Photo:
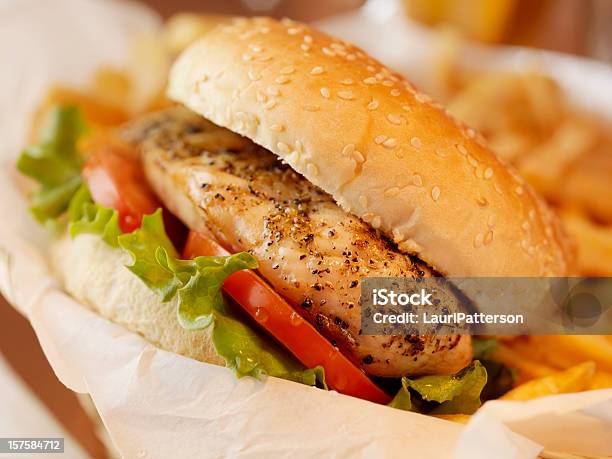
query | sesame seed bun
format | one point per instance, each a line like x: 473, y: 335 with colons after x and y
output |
x: 382, y: 149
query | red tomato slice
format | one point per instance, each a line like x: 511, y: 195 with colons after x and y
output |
x: 115, y: 179
x: 281, y: 321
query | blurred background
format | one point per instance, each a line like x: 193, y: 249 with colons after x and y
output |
x: 562, y: 150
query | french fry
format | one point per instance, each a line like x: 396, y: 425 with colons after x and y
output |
x: 601, y: 380
x: 527, y: 368
x: 546, y: 164
x: 148, y: 69
x: 594, y: 243
x: 587, y: 184
x: 560, y: 352
x: 112, y: 86
x: 574, y: 379
x: 96, y: 112
x: 183, y: 29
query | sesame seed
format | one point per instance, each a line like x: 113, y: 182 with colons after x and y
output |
x: 398, y: 236
x: 293, y: 31
x: 255, y: 48
x: 261, y: 96
x: 482, y: 201
x: 254, y: 76
x: 395, y: 92
x: 371, y: 68
x: 472, y: 161
x: 417, y: 180
x: 478, y: 240
x: 423, y: 98
x: 299, y: 147
x: 393, y: 191
x: 358, y: 156
x: 363, y: 201
x: 283, y: 147
x: 264, y: 29
x: 376, y: 222
x: 311, y: 169
x: 415, y: 142
x: 370, y: 80
x: 307, y: 38
x: 373, y: 105
x: 406, y: 108
x: 346, y: 95
x: 348, y: 149
x: 351, y: 57
x: 461, y: 149
x: 525, y: 226
x: 325, y: 92
x: 394, y: 119
x: 532, y: 214
x: 478, y: 173
x: 367, y: 217
x: 488, y: 173
x: 347, y: 81
x: 328, y: 52
x: 380, y: 139
x: 270, y: 104
x: 304, y: 47
x: 282, y: 79
x: 519, y: 190
x: 318, y: 70
x: 525, y: 244
x: 287, y: 70
x: 277, y: 127
x: 247, y: 57
x: 491, y: 221
x: 388, y: 83
x: 435, y: 193
x: 497, y: 188
x: 390, y: 143
x: 273, y: 90
x: 488, y: 237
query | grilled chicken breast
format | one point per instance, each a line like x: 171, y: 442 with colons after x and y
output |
x: 311, y: 251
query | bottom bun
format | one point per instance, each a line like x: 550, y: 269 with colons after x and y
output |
x: 95, y: 274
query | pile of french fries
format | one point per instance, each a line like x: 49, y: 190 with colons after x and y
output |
x: 565, y: 154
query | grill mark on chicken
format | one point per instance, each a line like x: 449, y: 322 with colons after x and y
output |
x: 310, y: 250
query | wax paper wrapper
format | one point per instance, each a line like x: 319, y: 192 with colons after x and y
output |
x: 157, y: 404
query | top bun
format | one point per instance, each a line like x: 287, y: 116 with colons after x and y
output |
x: 382, y: 149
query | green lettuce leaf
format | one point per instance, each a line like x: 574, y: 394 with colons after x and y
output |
x: 55, y: 164
x: 458, y: 393
x: 500, y: 378
x: 87, y: 217
x: 483, y: 347
x: 197, y: 283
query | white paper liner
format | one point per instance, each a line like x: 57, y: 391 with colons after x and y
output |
x: 157, y: 404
